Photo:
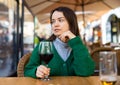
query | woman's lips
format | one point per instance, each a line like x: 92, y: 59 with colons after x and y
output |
x: 57, y: 30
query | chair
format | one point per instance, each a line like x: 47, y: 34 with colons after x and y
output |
x: 94, y: 45
x: 22, y: 62
x: 95, y: 56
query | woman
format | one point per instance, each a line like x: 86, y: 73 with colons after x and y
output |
x: 71, y: 57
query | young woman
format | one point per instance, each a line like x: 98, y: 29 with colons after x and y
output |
x: 71, y: 57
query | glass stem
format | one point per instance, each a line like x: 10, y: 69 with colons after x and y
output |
x: 46, y: 76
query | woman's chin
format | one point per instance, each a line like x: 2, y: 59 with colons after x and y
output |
x: 57, y: 35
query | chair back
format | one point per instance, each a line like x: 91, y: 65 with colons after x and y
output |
x: 22, y: 62
x: 95, y: 56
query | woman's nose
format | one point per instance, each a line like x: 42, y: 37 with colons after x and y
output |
x: 56, y: 23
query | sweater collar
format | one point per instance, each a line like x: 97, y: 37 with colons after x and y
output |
x: 61, y: 43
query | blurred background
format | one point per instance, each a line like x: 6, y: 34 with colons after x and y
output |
x: 24, y: 23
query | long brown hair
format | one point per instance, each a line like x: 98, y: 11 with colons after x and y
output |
x: 70, y: 17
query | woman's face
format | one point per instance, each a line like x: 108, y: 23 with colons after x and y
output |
x: 59, y: 23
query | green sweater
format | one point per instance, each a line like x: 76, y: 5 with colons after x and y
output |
x: 79, y: 62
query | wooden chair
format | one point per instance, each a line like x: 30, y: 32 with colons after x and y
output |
x: 95, y: 56
x: 22, y: 62
x: 94, y: 46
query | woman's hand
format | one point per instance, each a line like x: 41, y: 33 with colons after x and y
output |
x: 42, y: 71
x: 66, y: 36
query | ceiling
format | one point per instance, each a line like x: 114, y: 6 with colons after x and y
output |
x: 93, y: 9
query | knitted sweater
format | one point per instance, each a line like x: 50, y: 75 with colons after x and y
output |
x: 79, y: 62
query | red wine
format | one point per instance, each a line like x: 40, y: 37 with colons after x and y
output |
x: 46, y: 57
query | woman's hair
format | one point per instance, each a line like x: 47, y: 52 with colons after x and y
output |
x: 70, y: 17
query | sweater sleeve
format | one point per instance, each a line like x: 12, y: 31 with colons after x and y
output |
x: 34, y: 62
x: 83, y: 64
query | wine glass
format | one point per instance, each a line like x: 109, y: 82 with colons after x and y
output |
x: 46, y: 54
x: 108, y: 68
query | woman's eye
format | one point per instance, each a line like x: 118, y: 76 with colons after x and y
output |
x: 61, y: 20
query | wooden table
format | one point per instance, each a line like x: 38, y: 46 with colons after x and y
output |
x: 71, y: 80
